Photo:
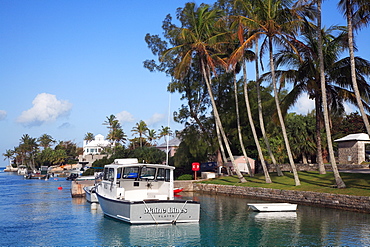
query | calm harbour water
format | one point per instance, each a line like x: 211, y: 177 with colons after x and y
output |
x: 36, y: 213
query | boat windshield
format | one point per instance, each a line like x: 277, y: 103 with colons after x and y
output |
x: 109, y: 174
x: 163, y: 174
x: 148, y: 172
x: 130, y: 172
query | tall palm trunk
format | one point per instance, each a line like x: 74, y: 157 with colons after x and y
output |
x: 207, y: 78
x: 251, y: 123
x: 222, y: 150
x: 260, y: 116
x: 338, y: 179
x: 349, y: 14
x: 319, y: 158
x: 239, y: 129
x: 280, y: 115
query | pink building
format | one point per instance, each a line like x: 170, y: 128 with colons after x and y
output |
x: 172, y: 146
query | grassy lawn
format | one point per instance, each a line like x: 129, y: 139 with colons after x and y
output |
x: 357, y: 184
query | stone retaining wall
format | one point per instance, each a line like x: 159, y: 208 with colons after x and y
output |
x: 346, y: 202
x: 311, y: 167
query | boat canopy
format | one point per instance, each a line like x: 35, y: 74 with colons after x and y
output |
x: 138, y: 172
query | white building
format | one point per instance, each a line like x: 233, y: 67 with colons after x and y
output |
x: 352, y: 149
x: 92, y: 149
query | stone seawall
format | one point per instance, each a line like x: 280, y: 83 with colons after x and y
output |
x: 346, y: 202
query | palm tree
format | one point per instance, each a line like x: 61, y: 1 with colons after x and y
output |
x: 251, y: 123
x: 338, y: 179
x: 276, y: 21
x: 152, y: 136
x: 45, y: 141
x: 349, y: 7
x: 141, y: 128
x: 248, y: 10
x: 8, y: 154
x: 89, y: 137
x: 197, y: 40
x: 29, y: 146
x: 239, y: 128
x: 164, y: 131
x: 116, y: 133
x: 111, y: 120
x: 304, y: 72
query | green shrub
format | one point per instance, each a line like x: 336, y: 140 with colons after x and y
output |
x: 185, y: 177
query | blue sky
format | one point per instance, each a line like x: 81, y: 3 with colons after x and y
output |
x: 67, y: 65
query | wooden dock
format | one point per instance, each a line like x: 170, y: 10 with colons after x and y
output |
x: 77, y: 187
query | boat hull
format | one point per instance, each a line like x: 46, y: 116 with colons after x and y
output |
x: 150, y: 211
x: 273, y: 207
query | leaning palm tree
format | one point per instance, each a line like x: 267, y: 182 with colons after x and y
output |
x: 248, y: 10
x: 356, y: 10
x: 198, y: 41
x: 276, y: 21
x: 239, y: 128
x: 304, y: 72
x: 338, y: 179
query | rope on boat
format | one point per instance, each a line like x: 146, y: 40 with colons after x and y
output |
x: 174, y: 221
x: 150, y: 212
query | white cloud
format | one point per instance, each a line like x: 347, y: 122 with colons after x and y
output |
x: 303, y: 105
x: 156, y: 118
x: 125, y: 117
x: 46, y: 108
x: 2, y: 114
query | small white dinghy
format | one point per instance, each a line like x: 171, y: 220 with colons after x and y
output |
x: 90, y: 194
x: 273, y: 207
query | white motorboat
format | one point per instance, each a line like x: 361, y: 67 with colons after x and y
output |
x: 22, y: 170
x: 273, y: 207
x: 90, y: 194
x: 143, y: 194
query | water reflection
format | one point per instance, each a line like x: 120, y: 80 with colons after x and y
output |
x: 233, y: 224
x: 271, y: 216
x: 113, y: 232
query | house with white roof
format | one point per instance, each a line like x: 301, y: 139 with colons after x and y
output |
x: 92, y: 149
x: 352, y: 148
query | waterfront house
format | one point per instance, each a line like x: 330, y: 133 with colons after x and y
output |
x: 92, y: 150
x: 172, y: 146
x: 352, y: 149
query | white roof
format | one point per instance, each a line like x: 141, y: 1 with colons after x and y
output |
x: 354, y: 137
x: 99, y: 141
x: 175, y: 142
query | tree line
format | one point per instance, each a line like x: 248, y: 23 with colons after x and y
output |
x: 144, y: 136
x: 206, y: 52
x: 46, y: 151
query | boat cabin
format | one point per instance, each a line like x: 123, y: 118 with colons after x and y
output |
x: 133, y: 181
